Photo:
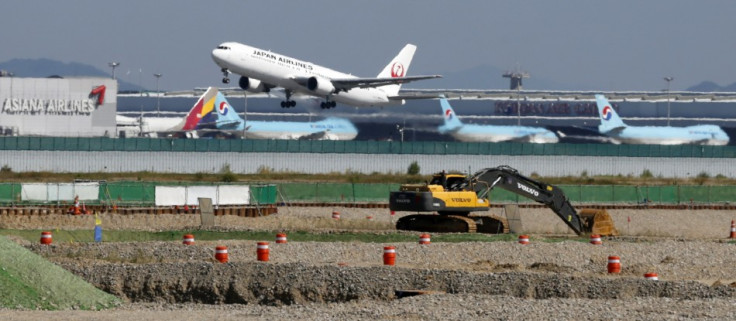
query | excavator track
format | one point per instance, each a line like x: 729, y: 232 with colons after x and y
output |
x: 453, y: 224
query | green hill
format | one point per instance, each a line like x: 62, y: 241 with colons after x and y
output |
x: 28, y: 281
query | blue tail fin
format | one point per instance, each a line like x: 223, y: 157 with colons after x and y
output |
x: 451, y: 122
x: 609, y: 117
x: 227, y: 116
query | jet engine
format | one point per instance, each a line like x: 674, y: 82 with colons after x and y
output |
x: 320, y: 86
x: 253, y: 85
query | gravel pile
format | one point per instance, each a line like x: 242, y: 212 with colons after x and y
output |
x: 330, y: 281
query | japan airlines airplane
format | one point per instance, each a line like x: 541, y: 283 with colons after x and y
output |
x: 612, y: 126
x: 491, y: 133
x: 262, y: 70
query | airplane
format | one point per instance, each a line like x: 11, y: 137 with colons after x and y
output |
x: 612, y: 126
x: 491, y: 133
x: 262, y: 70
x: 212, y: 115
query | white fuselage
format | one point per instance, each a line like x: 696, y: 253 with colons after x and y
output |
x: 273, y: 69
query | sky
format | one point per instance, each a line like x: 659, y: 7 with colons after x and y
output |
x: 600, y: 45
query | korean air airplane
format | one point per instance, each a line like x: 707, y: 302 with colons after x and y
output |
x: 213, y: 114
x: 261, y: 70
x: 491, y: 133
x: 612, y: 126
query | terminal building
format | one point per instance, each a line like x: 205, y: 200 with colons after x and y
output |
x: 61, y: 107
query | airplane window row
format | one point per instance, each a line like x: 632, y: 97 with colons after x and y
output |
x: 223, y: 47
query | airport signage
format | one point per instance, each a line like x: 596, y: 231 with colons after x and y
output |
x: 37, y: 106
x: 543, y: 108
x: 24, y: 106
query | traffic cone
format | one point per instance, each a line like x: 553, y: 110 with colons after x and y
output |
x: 733, y: 230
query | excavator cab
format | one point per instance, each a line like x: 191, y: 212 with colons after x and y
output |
x: 448, y: 181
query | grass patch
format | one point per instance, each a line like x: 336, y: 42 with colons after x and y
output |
x: 28, y: 281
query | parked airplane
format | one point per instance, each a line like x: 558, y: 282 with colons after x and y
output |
x: 612, y: 126
x: 491, y: 133
x: 262, y: 70
x: 212, y: 115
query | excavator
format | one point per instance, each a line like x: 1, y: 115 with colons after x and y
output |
x: 455, y: 196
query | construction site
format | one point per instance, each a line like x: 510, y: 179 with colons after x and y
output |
x: 496, y: 244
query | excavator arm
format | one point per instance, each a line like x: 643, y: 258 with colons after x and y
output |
x: 509, y: 179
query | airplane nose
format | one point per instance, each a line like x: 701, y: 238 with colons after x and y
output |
x: 217, y: 55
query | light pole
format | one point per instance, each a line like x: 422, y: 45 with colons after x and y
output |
x: 668, y: 80
x: 158, y: 95
x: 113, y: 65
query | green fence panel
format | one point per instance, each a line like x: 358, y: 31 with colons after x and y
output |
x: 597, y: 193
x: 334, y: 192
x: 297, y: 192
x: 666, y: 194
x: 143, y: 193
x: 263, y: 194
x: 9, y: 192
x: 573, y: 192
x: 696, y: 194
x: 373, y: 192
x: 626, y: 194
x: 725, y: 194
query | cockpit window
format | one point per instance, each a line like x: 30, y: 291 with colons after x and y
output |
x: 223, y: 47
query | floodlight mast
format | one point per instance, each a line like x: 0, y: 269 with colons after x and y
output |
x: 515, y: 78
x: 113, y: 65
x: 158, y: 96
x: 668, y: 80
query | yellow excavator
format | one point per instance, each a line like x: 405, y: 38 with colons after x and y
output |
x: 455, y: 196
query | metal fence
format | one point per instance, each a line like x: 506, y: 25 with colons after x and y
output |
x: 358, y: 147
x: 143, y: 194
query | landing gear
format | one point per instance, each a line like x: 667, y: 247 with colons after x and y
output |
x: 328, y: 104
x: 288, y: 103
x: 225, y: 73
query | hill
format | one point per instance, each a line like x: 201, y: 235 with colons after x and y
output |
x: 709, y: 86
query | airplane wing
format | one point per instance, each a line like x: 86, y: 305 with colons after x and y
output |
x: 350, y: 83
x: 321, y: 135
x: 414, y: 96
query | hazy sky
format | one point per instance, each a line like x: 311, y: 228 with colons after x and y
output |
x: 606, y: 45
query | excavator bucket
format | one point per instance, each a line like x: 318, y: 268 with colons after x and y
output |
x: 597, y: 221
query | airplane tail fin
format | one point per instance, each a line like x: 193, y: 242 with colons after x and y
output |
x: 609, y: 117
x: 397, y: 68
x: 451, y: 122
x: 199, y: 111
x: 227, y: 116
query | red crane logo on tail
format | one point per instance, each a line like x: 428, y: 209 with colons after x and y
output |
x: 397, y: 70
